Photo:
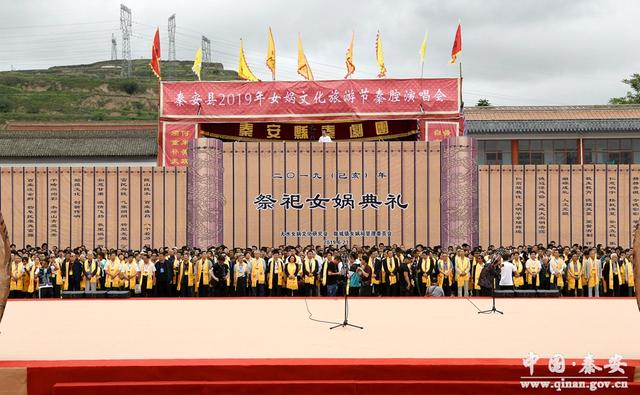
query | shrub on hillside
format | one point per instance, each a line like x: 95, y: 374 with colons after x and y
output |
x: 5, y: 105
x: 129, y: 86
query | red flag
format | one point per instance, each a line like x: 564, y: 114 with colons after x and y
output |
x: 155, y: 54
x: 457, y: 45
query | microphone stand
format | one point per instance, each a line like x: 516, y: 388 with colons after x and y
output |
x: 493, y: 298
x: 346, y: 323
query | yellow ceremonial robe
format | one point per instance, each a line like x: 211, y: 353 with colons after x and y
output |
x: 518, y: 281
x: 575, y: 269
x: 462, y: 265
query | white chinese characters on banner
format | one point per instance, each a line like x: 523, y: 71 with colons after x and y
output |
x: 307, y: 98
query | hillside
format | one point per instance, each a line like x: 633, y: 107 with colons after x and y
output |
x: 92, y: 92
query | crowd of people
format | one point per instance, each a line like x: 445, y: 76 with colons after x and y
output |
x: 379, y: 270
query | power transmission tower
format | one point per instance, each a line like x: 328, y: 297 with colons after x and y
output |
x: 206, y: 50
x: 172, y: 37
x: 114, y: 48
x: 125, y: 27
x: 206, y: 54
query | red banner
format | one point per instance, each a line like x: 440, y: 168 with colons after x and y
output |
x: 441, y: 130
x: 176, y: 143
x: 340, y: 99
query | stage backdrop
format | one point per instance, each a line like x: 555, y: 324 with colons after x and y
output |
x: 583, y: 204
x: 312, y: 193
x: 123, y: 207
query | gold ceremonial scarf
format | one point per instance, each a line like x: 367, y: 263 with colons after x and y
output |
x: 557, y: 265
x: 478, y: 267
x: 202, y: 263
x: 189, y: 274
x: 389, y: 270
x: 16, y: 271
x: 113, y: 269
x: 591, y: 264
x: 518, y: 281
x: 33, y: 282
x: 575, y: 268
x: 444, y: 267
x: 257, y: 271
x: 462, y: 265
x: 272, y: 265
x: 148, y: 271
x: 374, y: 278
x: 292, y: 282
x: 309, y: 268
x: 56, y: 265
x: 236, y: 271
x: 533, y: 270
x: 425, y: 267
x: 131, y: 275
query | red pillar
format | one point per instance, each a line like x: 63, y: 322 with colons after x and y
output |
x: 515, y: 151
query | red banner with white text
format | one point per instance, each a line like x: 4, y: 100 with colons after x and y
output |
x: 236, y: 101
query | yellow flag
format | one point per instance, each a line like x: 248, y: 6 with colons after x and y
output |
x: 244, y: 72
x: 197, y: 63
x: 423, y: 49
x: 350, y: 66
x: 271, y: 55
x: 303, y: 65
x: 382, y: 70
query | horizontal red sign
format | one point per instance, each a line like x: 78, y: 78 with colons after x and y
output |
x: 441, y: 130
x: 263, y: 131
x: 352, y: 99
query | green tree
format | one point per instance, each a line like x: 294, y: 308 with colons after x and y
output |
x: 633, y: 96
x: 483, y: 103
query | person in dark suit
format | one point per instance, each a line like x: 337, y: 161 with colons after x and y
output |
x: 75, y: 273
x: 164, y: 271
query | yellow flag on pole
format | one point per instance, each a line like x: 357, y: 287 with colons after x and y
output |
x: 303, y: 65
x: 423, y: 49
x: 271, y: 54
x: 244, y: 72
x: 382, y: 70
x: 197, y: 63
x: 351, y: 68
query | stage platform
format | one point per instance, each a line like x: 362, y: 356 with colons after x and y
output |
x: 267, y: 345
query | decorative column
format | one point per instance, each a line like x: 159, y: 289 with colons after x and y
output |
x: 204, y: 193
x: 459, y: 192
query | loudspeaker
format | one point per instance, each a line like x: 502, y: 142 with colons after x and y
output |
x: 503, y: 293
x: 549, y: 293
x: 525, y: 293
x: 72, y: 294
x: 119, y: 294
x: 96, y: 294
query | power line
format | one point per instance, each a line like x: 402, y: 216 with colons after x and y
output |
x: 56, y: 25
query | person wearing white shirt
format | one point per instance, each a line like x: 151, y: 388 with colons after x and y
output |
x: 506, y: 275
x: 325, y: 138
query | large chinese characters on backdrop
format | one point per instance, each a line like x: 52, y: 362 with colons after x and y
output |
x: 5, y: 265
x: 320, y: 100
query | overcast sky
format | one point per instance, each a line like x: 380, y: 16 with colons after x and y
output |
x: 521, y: 52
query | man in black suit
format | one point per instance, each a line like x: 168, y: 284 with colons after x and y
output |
x: 164, y: 271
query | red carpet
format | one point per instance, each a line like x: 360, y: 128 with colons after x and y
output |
x: 291, y: 376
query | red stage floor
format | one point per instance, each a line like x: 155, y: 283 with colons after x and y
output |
x: 267, y: 346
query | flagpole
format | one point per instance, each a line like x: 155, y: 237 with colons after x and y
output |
x: 461, y: 102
